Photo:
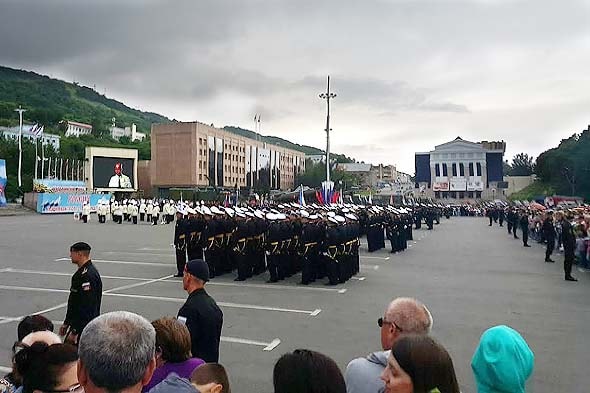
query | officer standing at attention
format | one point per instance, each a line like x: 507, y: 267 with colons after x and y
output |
x: 524, y: 226
x: 85, y: 294
x: 200, y: 313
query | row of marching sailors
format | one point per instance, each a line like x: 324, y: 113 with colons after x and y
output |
x: 393, y: 223
x: 284, y: 243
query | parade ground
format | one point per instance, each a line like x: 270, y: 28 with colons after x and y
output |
x: 470, y: 275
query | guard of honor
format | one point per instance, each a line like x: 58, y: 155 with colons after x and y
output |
x: 318, y: 241
x: 132, y: 211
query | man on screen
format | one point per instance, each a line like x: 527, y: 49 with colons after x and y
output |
x: 120, y: 180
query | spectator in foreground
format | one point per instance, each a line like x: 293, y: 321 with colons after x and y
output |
x: 305, y: 371
x: 117, y: 353
x: 211, y: 378
x: 48, y: 368
x: 33, y: 323
x: 419, y: 364
x: 403, y: 315
x: 173, y: 351
x: 502, y: 362
x: 12, y: 382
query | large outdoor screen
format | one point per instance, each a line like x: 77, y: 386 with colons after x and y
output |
x: 113, y: 172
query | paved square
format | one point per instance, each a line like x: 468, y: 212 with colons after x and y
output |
x: 471, y: 277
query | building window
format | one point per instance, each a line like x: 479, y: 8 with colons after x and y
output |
x: 445, y: 170
x: 461, y: 169
x: 478, y: 194
x: 437, y: 170
x: 437, y: 194
x: 470, y: 194
x: 461, y: 195
x: 479, y: 169
x: 470, y: 169
x: 454, y: 169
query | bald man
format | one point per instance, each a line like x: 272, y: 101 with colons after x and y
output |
x: 403, y: 316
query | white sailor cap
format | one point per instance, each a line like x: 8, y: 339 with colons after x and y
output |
x: 281, y: 216
x: 271, y: 216
x: 250, y: 214
x: 304, y: 213
x: 340, y: 218
x: 206, y: 210
x: 215, y: 210
x: 350, y: 216
x: 333, y: 220
x: 313, y: 217
x: 331, y: 214
x: 259, y: 214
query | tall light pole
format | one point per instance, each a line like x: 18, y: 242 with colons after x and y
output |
x: 20, y: 146
x: 327, y: 96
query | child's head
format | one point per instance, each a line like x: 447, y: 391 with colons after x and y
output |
x: 211, y: 378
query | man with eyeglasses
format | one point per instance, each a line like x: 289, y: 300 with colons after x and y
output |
x: 402, y: 316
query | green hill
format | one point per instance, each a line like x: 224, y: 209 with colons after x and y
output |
x: 48, y: 101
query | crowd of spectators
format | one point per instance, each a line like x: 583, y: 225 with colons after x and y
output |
x: 123, y: 352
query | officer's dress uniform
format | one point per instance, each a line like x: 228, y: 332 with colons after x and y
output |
x: 204, y: 320
x: 196, y: 226
x: 85, y: 298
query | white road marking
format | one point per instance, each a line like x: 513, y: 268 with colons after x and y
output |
x: 367, y: 257
x: 210, y: 283
x: 147, y: 254
x: 5, y: 369
x: 358, y: 278
x: 165, y: 299
x: 123, y: 262
x: 156, y: 249
x: 365, y: 266
x: 267, y: 346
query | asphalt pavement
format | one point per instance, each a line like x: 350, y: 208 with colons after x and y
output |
x: 470, y: 275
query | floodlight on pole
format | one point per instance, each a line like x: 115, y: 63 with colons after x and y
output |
x: 328, y: 96
x: 20, y: 146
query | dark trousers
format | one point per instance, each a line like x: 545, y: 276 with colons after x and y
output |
x: 180, y: 259
x: 155, y: 220
x: 85, y: 219
x: 273, y: 267
x: 210, y: 258
x: 102, y: 219
x: 134, y: 219
x: 308, y: 273
x: 194, y: 252
x: 332, y: 270
x: 501, y: 221
x: 525, y: 236
x: 244, y: 265
x: 149, y: 218
x: 142, y: 217
x: 490, y: 217
x: 568, y: 260
x: 509, y: 225
x: 549, y: 249
x: 514, y: 226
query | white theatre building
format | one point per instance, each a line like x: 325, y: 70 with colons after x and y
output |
x: 460, y: 169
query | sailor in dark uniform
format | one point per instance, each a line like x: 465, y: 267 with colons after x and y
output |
x: 180, y: 241
x: 85, y: 294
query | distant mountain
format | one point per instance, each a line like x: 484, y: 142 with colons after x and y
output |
x: 49, y: 101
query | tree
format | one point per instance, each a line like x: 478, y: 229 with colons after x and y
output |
x: 522, y: 165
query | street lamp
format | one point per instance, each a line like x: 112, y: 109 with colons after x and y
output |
x: 327, y: 96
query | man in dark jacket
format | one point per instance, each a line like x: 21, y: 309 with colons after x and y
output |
x: 524, y: 226
x: 201, y: 314
x: 85, y: 294
x: 549, y: 235
x: 569, y: 246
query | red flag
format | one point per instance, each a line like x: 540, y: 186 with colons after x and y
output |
x: 335, y: 197
x: 318, y: 196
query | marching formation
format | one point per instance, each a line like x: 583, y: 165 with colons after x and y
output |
x: 132, y: 211
x: 318, y: 241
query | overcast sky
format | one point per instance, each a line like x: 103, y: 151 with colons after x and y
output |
x: 409, y: 74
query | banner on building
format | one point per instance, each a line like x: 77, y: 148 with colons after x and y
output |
x: 53, y: 186
x: 474, y: 185
x: 2, y: 182
x: 68, y: 203
x: 440, y: 186
x: 458, y: 184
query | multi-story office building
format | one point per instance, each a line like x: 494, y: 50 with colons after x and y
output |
x: 197, y: 155
x: 76, y: 129
x: 45, y: 138
x: 460, y: 169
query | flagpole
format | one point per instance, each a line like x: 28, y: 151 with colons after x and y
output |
x: 49, y: 168
x: 61, y: 167
x: 36, y: 157
x: 42, y: 159
x: 20, y: 146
